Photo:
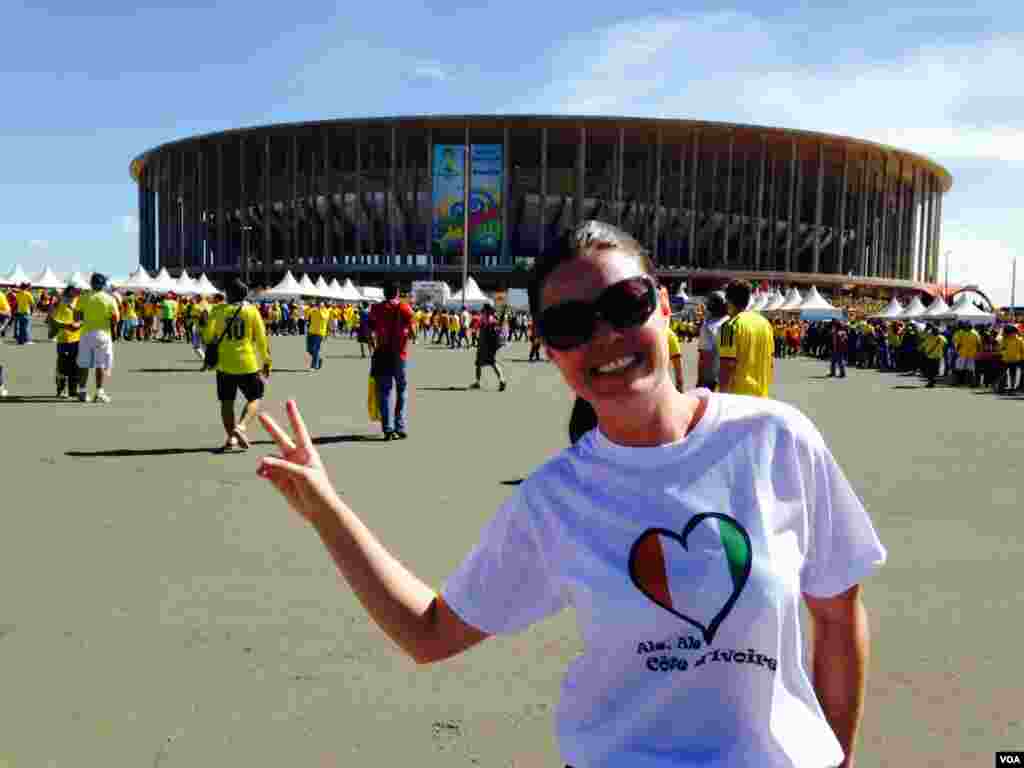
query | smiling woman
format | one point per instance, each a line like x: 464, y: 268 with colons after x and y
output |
x: 684, y: 529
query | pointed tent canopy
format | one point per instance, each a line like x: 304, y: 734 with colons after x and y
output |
x: 47, y: 279
x: 349, y: 292
x: 774, y: 302
x: 758, y: 302
x: 306, y: 286
x: 681, y: 293
x: 322, y: 288
x: 793, y: 300
x: 914, y: 310
x: 137, y: 280
x: 163, y: 282
x: 288, y: 288
x: 185, y: 284
x: 937, y: 308
x: 891, y: 312
x: 204, y: 287
x: 470, y: 295
x: 814, y: 300
x: 79, y: 280
x: 335, y: 288
x: 964, y: 310
x: 16, y: 276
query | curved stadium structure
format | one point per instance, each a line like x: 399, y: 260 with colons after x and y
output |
x: 383, y: 196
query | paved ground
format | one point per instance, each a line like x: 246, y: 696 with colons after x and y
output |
x: 160, y: 606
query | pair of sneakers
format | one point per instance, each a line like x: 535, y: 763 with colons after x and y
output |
x: 502, y: 386
x: 101, y: 396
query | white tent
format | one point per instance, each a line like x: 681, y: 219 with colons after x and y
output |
x: 79, y: 280
x: 47, y: 279
x: 288, y: 288
x: 681, y: 293
x: 185, y: 284
x: 163, y: 282
x: 16, y: 276
x: 307, y: 287
x: 758, y: 302
x: 914, y: 309
x: 891, y: 312
x: 204, y: 287
x: 793, y: 301
x: 964, y: 310
x: 322, y: 288
x: 139, y: 280
x: 371, y: 293
x: 936, y: 309
x: 816, y: 307
x: 470, y: 295
x: 349, y: 292
x: 774, y: 302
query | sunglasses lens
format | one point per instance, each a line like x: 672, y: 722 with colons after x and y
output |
x: 567, y: 325
x: 629, y: 303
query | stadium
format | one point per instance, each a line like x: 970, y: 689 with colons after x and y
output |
x: 384, y: 197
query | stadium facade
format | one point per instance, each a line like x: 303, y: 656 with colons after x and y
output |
x: 383, y: 196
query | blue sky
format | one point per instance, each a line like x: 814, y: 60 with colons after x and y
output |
x: 88, y: 86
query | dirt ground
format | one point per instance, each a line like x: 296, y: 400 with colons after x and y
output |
x: 161, y: 606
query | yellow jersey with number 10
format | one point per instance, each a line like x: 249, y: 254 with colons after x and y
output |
x: 748, y: 339
x: 243, y: 343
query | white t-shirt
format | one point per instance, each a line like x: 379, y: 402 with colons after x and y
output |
x: 709, y: 343
x: 685, y: 564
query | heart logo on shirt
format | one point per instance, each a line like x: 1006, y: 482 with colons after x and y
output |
x: 659, y: 553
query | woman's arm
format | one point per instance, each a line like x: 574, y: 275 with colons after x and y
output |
x: 841, y: 645
x: 411, y: 613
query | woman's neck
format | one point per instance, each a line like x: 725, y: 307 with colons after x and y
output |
x: 667, y: 419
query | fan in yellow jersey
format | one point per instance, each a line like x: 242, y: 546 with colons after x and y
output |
x: 98, y: 313
x: 317, y: 318
x: 746, y: 347
x: 241, y: 352
x: 63, y: 316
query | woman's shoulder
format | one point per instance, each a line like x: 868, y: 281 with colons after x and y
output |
x: 763, y: 414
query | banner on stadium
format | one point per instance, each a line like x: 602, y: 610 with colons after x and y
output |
x: 484, y: 201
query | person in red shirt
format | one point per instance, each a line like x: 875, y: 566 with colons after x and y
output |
x: 391, y: 324
x: 840, y: 348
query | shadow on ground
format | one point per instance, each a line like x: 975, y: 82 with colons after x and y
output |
x: 135, y: 452
x: 442, y: 389
x: 38, y: 399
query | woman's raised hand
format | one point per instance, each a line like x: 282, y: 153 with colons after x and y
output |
x: 297, y: 472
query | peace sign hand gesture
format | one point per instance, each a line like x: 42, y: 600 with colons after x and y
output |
x: 297, y: 472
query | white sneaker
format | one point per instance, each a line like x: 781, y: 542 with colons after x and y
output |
x: 101, y: 397
x: 3, y: 391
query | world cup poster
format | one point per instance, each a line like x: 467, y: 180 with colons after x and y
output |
x: 484, y: 200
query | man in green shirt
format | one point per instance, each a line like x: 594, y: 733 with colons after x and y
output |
x: 168, y: 314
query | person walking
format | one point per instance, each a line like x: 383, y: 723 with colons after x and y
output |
x: 68, y: 337
x: 840, y: 348
x: 1011, y: 349
x: 746, y: 346
x: 5, y: 313
x: 932, y: 350
x: 488, y: 341
x: 25, y: 303
x: 715, y: 313
x: 391, y: 322
x: 317, y: 323
x: 688, y: 530
x: 98, y: 313
x: 243, y: 361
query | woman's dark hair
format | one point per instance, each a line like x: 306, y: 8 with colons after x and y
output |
x: 237, y: 291
x: 587, y: 237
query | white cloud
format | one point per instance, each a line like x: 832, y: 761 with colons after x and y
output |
x: 947, y: 102
x: 429, y: 72
x: 129, y: 225
x: 38, y: 245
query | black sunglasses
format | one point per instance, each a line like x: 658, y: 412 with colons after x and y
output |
x: 625, y: 304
